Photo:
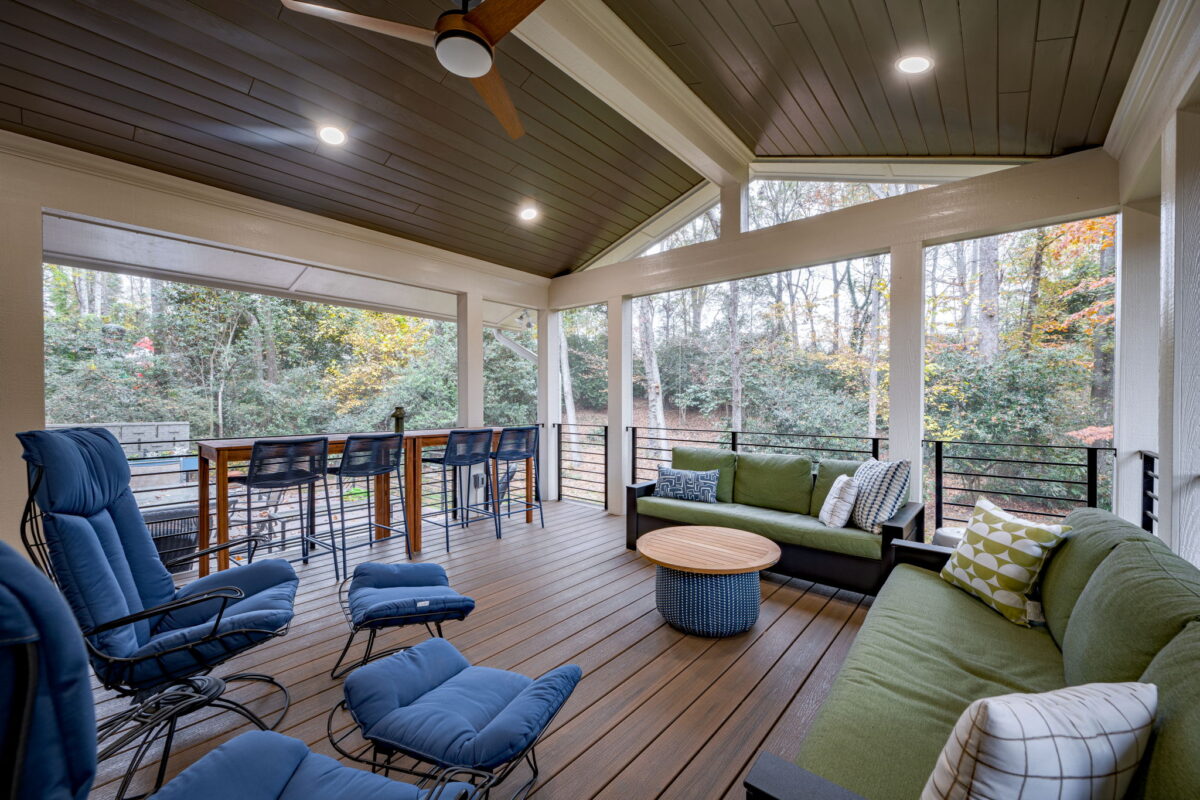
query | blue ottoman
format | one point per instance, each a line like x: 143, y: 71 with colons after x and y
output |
x: 393, y: 595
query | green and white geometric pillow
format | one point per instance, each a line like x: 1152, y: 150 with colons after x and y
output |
x: 999, y: 559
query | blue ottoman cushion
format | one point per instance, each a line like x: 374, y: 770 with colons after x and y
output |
x: 429, y: 702
x: 380, y: 594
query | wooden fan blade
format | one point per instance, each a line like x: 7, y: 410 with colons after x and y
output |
x: 497, y: 17
x: 491, y: 89
x: 398, y: 30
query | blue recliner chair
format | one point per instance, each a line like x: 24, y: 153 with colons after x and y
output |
x: 48, y: 735
x: 145, y: 639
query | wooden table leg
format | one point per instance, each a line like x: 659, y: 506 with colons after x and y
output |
x: 222, y: 509
x: 383, y: 504
x: 529, y: 489
x: 202, y: 507
x: 413, y: 501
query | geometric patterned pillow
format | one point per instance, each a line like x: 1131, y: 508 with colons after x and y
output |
x: 999, y: 558
x: 686, y: 484
x: 882, y: 489
x: 1081, y: 742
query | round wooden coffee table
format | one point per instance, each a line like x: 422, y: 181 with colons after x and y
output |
x: 707, y: 577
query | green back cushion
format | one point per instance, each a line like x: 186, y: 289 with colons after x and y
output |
x: 768, y: 480
x: 706, y: 458
x: 1171, y: 767
x: 1092, y: 537
x: 827, y: 471
x: 1137, y: 601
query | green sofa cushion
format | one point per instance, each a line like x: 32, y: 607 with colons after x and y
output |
x: 1092, y: 537
x: 707, y: 458
x: 827, y: 471
x: 924, y: 653
x: 1171, y: 767
x: 779, y: 526
x: 1137, y: 601
x: 771, y: 480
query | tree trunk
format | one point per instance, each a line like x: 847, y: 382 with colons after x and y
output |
x: 1036, y: 267
x: 735, y: 357
x: 564, y: 359
x: 989, y: 297
x: 964, y: 286
x: 871, y: 333
x: 837, y: 308
x: 270, y: 346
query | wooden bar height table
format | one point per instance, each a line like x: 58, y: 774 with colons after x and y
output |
x: 217, y: 454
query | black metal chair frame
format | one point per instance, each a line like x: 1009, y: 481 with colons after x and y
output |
x: 155, y: 711
x: 486, y: 509
x: 371, y: 524
x: 504, y: 493
x: 381, y: 758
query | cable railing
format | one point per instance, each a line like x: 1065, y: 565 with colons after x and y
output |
x: 1149, y: 491
x: 582, y: 462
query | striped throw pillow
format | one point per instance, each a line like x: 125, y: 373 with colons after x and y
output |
x: 882, y: 489
x: 839, y: 503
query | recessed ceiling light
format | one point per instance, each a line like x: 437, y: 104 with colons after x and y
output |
x: 332, y: 135
x: 914, y: 65
x: 528, y: 213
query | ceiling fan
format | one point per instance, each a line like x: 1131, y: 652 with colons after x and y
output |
x: 463, y: 40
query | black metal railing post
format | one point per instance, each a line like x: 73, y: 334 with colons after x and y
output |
x: 875, y: 447
x: 1093, y: 477
x: 733, y: 440
x: 937, y: 483
x: 558, y: 427
x: 606, y: 468
x: 1150, y: 492
x: 633, y: 445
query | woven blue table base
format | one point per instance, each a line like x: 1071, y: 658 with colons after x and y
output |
x: 707, y: 605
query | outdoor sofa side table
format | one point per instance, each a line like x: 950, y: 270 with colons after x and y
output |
x: 707, y: 577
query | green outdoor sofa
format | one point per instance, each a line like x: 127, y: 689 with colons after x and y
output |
x: 1119, y: 606
x: 779, y: 497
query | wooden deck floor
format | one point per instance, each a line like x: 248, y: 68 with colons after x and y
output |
x: 658, y: 713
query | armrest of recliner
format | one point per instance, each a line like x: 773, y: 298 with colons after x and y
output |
x: 772, y: 778
x: 225, y: 594
x: 254, y: 538
x: 918, y: 554
x: 632, y: 492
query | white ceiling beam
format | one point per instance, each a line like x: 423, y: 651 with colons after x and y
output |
x: 589, y: 42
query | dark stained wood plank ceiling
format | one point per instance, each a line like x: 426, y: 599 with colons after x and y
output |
x: 818, y: 77
x: 231, y: 92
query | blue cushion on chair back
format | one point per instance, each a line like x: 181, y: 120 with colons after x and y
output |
x: 59, y: 732
x: 99, y: 548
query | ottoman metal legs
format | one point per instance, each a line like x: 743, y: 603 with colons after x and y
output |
x: 707, y: 605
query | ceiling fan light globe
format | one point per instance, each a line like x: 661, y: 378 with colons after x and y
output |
x: 463, y: 54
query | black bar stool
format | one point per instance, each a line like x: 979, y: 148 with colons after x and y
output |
x: 465, y: 449
x: 366, y: 456
x: 286, y: 464
x: 517, y: 445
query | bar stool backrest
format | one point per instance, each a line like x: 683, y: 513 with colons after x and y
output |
x: 518, y: 443
x: 276, y: 463
x: 465, y: 448
x: 369, y: 454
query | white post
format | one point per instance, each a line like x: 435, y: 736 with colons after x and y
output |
x: 22, y: 367
x: 549, y: 325
x: 1179, y: 364
x: 906, y: 360
x: 1135, y: 394
x: 620, y: 399
x: 470, y: 360
x: 735, y: 206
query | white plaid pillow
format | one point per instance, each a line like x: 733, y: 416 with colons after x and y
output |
x: 1078, y: 743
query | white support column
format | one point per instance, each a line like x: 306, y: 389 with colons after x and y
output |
x: 735, y: 206
x: 470, y: 359
x: 1179, y: 365
x: 549, y: 330
x: 1135, y: 395
x: 906, y: 360
x: 22, y: 367
x: 620, y: 398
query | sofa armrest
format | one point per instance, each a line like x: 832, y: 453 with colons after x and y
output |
x: 632, y: 492
x: 907, y: 523
x: 772, y: 778
x: 926, y: 556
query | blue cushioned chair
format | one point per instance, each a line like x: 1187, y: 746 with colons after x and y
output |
x: 48, y: 735
x: 393, y: 595
x: 428, y: 703
x: 145, y: 639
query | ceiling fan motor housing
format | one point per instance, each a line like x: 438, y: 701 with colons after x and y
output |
x: 461, y: 47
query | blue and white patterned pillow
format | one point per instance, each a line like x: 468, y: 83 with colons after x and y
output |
x: 686, y: 484
x: 882, y: 489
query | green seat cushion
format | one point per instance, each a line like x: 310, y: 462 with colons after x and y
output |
x: 1092, y: 537
x: 779, y: 526
x: 1137, y: 601
x: 827, y: 472
x: 925, y: 651
x: 770, y: 480
x: 1171, y: 766
x: 701, y: 459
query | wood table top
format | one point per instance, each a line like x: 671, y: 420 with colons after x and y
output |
x: 709, y: 550
x: 334, y: 438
